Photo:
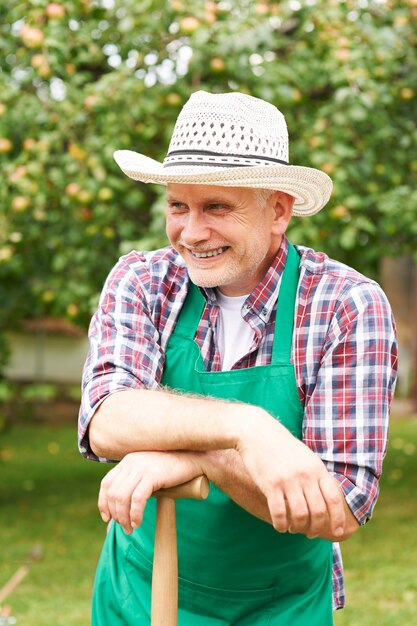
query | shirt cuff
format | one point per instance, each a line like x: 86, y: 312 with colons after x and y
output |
x: 360, y: 503
x: 87, y: 411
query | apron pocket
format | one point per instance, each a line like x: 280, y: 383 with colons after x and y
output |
x: 200, y: 604
x: 229, y: 606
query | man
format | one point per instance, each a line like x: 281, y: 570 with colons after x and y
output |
x: 232, y: 353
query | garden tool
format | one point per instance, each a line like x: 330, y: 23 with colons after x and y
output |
x: 164, y: 606
x: 6, y: 617
x: 21, y: 573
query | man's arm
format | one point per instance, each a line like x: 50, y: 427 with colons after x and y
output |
x: 146, y: 419
x: 127, y: 487
x: 293, y: 480
x: 348, y: 400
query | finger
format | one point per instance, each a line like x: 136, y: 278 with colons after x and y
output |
x: 140, y: 496
x: 333, y: 497
x: 120, y: 497
x: 297, y: 509
x: 318, y: 511
x: 102, y: 502
x: 278, y: 511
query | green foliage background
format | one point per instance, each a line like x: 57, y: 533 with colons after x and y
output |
x: 81, y: 78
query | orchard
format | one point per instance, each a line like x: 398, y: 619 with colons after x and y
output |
x: 82, y: 78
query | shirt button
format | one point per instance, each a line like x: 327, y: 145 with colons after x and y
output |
x: 265, y: 311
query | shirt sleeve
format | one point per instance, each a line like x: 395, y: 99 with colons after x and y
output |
x: 124, y: 344
x: 346, y: 416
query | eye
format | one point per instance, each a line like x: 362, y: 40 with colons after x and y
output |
x: 177, y: 207
x: 217, y: 207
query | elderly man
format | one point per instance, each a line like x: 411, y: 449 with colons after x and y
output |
x: 268, y: 367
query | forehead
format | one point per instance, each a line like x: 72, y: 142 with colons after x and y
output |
x: 205, y: 192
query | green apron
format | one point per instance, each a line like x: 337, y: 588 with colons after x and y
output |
x: 234, y: 569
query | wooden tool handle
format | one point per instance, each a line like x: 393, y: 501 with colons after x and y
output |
x: 14, y: 582
x: 164, y: 608
x: 197, y: 488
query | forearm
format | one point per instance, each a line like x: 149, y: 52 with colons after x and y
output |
x: 226, y: 470
x: 142, y: 419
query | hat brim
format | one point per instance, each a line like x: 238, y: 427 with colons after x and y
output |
x: 311, y: 188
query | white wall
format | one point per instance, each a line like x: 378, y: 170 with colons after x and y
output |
x: 46, y: 358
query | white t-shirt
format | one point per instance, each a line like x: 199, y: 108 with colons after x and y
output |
x: 235, y: 335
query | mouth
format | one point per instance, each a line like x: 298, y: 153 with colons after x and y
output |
x: 206, y: 254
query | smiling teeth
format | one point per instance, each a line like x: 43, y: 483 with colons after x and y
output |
x: 205, y: 255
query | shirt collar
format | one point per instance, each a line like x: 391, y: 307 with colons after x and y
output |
x: 262, y: 300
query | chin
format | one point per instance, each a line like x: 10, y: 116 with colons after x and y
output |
x: 202, y: 282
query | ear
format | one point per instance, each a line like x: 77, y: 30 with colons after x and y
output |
x: 283, y: 204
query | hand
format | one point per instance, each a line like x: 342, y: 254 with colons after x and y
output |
x: 127, y: 487
x: 302, y: 496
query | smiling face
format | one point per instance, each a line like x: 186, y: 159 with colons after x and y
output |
x: 228, y: 239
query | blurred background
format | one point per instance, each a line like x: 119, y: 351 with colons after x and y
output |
x: 82, y: 78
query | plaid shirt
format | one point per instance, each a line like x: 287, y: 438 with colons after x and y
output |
x: 344, y: 354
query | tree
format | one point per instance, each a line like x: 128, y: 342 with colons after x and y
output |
x: 82, y: 78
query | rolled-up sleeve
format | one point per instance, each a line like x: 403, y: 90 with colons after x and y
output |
x: 346, y: 415
x: 124, y: 344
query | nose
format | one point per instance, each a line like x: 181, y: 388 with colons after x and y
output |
x: 196, y: 228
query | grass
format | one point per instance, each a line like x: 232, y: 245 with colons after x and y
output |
x: 48, y: 496
x: 381, y: 578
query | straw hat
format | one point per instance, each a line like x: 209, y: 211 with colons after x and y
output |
x: 231, y: 140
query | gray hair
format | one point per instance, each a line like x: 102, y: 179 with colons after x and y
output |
x: 262, y: 196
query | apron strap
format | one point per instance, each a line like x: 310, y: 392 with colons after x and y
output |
x: 190, y: 313
x: 284, y: 318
